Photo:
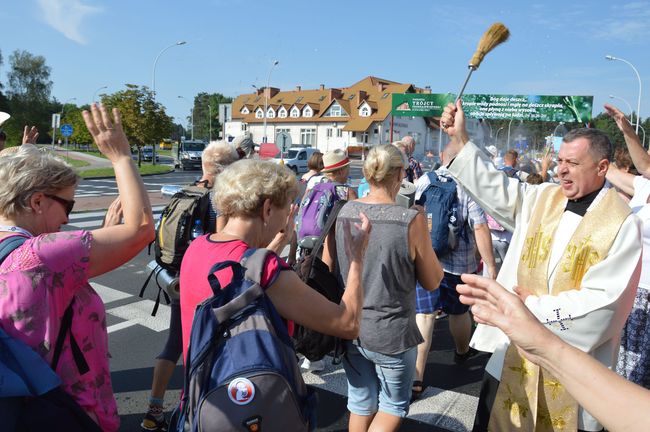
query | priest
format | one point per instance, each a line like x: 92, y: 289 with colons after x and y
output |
x: 574, y: 259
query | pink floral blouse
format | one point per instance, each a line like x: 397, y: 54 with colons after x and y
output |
x: 37, y: 282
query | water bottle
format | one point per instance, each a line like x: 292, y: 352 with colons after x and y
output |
x: 197, y: 229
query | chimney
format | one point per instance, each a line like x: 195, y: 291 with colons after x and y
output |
x: 298, y: 88
x: 334, y: 94
x: 269, y: 92
x: 380, y: 87
x: 322, y: 87
x: 361, y: 96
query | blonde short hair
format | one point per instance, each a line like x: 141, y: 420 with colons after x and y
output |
x: 28, y: 171
x: 382, y: 161
x: 241, y: 189
x: 217, y: 156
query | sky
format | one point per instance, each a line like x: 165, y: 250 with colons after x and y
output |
x: 555, y: 47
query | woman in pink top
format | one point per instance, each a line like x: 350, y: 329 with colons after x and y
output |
x: 40, y: 279
x: 255, y: 198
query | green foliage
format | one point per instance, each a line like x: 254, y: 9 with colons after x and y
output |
x: 144, y: 120
x: 202, y: 114
x: 109, y: 172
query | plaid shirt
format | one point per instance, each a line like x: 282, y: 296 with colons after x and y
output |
x: 463, y: 259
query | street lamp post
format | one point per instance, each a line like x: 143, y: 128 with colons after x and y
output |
x: 496, y: 139
x: 628, y: 106
x: 153, y: 88
x: 192, y: 118
x: 508, y: 140
x: 210, y: 122
x: 60, y: 116
x: 97, y: 91
x: 642, y: 142
x: 638, y: 77
x: 266, y: 98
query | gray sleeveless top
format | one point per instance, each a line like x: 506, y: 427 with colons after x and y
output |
x: 388, y: 317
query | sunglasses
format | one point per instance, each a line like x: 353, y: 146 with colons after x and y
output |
x: 68, y: 205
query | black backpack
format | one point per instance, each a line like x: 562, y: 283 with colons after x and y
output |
x: 43, y: 405
x: 315, y: 273
x: 187, y: 209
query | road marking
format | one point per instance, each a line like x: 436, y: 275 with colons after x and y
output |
x: 120, y: 326
x: 107, y: 294
x: 140, y: 313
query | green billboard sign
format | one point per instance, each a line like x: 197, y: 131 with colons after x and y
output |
x: 498, y: 107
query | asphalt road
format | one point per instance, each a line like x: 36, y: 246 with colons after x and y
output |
x: 135, y: 338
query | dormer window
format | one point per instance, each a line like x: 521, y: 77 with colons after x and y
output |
x: 245, y: 110
x: 295, y: 112
x: 270, y: 113
x: 364, y: 111
x: 307, y: 112
x: 335, y: 111
x: 259, y: 113
x: 282, y: 112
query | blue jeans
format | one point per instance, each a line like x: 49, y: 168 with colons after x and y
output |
x: 379, y: 382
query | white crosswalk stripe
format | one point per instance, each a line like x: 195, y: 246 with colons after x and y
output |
x: 92, y: 220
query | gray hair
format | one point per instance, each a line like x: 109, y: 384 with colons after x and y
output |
x: 216, y: 156
x: 28, y: 171
x: 600, y: 147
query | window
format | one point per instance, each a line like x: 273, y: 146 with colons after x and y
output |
x: 339, y: 133
x: 308, y: 136
x: 307, y: 112
x: 295, y: 112
x: 321, y: 99
x: 365, y: 111
x: 365, y: 138
x: 336, y: 111
x: 245, y: 110
x: 299, y: 99
x: 282, y: 113
x: 385, y: 95
x: 376, y: 131
x: 329, y: 132
x: 259, y: 113
x: 351, y: 96
x: 244, y: 126
x: 302, y: 155
x: 270, y: 113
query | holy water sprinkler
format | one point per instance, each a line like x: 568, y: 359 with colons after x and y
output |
x: 495, y: 35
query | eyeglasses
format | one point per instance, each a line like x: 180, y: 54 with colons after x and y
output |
x: 68, y: 205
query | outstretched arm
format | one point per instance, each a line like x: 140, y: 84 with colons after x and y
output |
x: 618, y: 404
x: 622, y: 180
x: 640, y: 158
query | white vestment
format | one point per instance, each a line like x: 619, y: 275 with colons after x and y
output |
x: 591, y: 318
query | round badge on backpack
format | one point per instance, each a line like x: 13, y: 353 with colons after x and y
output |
x: 241, y: 391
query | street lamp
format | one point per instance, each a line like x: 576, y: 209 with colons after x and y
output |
x: 642, y: 142
x: 508, y: 140
x: 638, y: 77
x: 60, y: 116
x: 266, y: 98
x: 210, y: 121
x: 153, y: 89
x: 628, y: 106
x: 185, y: 99
x: 97, y: 91
x: 496, y: 139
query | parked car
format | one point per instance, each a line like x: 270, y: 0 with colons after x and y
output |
x: 187, y: 154
x: 296, y: 158
x: 147, y: 154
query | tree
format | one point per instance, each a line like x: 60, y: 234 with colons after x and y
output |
x: 72, y: 115
x: 144, y: 120
x: 202, y: 114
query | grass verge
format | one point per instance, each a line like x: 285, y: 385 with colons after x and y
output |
x: 75, y: 163
x: 108, y: 172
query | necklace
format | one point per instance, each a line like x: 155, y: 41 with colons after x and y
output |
x: 16, y: 229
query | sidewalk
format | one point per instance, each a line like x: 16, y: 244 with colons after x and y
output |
x: 94, y: 161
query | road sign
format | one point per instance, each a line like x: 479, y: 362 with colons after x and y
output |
x: 283, y: 139
x: 66, y: 130
x: 56, y: 120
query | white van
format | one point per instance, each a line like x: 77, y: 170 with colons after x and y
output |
x: 296, y: 158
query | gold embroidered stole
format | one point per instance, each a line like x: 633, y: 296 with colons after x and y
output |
x: 530, y: 398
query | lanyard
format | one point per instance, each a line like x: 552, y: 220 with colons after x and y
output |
x: 16, y: 229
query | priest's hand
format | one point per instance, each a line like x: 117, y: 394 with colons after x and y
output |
x: 523, y: 293
x: 452, y: 122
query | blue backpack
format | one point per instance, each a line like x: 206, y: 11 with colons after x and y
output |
x: 242, y: 372
x: 31, y: 397
x: 441, y: 207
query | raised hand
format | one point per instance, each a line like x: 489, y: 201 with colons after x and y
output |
x: 30, y: 135
x: 108, y: 135
x: 113, y: 214
x: 356, y: 241
x: 493, y: 305
x: 284, y: 235
x: 452, y: 122
x: 621, y: 120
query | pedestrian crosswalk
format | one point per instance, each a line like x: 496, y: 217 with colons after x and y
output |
x: 94, y: 219
x: 95, y: 188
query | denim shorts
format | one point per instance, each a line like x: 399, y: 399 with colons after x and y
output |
x: 379, y: 382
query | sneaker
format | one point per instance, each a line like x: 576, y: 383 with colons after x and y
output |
x: 462, y: 358
x: 150, y: 423
x: 313, y: 366
x: 441, y: 315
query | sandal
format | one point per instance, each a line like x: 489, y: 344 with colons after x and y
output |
x: 416, y: 390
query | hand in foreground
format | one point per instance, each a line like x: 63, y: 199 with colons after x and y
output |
x: 108, y: 135
x: 493, y: 305
x: 30, y: 135
x: 284, y: 235
x: 356, y: 238
x: 621, y: 121
x: 113, y: 214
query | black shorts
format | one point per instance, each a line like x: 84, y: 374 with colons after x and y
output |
x: 449, y: 296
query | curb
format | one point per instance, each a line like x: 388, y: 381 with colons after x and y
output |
x: 141, y: 175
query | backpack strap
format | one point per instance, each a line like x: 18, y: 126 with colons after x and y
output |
x: 9, y: 244
x: 66, y: 324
